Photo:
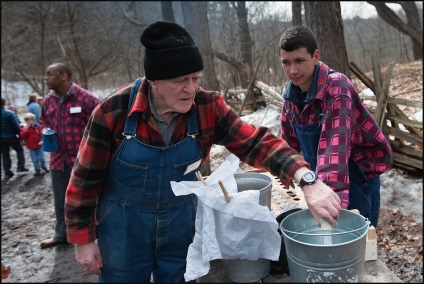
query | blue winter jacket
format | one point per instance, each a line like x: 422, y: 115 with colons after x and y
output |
x: 10, y: 126
x: 35, y: 108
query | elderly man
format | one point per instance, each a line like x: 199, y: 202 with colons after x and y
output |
x: 148, y: 133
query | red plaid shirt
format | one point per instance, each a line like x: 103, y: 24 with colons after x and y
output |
x: 68, y: 119
x: 348, y: 130
x: 218, y: 124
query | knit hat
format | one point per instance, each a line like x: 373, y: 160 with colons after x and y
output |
x: 169, y: 52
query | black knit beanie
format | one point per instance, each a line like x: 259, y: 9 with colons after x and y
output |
x: 169, y: 52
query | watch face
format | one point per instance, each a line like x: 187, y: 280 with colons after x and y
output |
x: 309, y: 177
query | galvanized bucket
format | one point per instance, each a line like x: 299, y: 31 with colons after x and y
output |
x: 244, y: 270
x: 317, y: 255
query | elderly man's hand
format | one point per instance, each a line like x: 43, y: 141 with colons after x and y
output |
x: 322, y: 201
x: 89, y: 258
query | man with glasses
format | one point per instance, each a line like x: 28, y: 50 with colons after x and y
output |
x: 66, y: 110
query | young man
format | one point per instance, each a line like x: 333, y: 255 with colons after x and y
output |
x: 66, y: 110
x: 324, y: 118
x: 145, y: 135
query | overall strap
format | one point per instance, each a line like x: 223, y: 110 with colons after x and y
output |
x: 131, y: 122
x: 192, y: 125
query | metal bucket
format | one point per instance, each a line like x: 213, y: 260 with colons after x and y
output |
x: 244, y: 270
x: 317, y: 255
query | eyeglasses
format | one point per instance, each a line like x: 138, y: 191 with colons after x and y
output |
x: 48, y: 75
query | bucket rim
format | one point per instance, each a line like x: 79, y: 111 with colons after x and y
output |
x: 367, y: 223
x: 286, y: 231
x: 253, y: 175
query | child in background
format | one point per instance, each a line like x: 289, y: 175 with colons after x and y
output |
x: 31, y: 134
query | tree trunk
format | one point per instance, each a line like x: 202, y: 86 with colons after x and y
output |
x: 167, y: 11
x: 413, y: 26
x: 297, y: 13
x: 196, y: 23
x: 245, y: 38
x: 238, y: 65
x: 325, y: 20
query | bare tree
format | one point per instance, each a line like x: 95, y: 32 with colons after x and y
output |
x: 412, y: 27
x: 196, y: 23
x: 266, y: 31
x: 360, y: 38
x: 240, y: 57
x: 20, y: 38
x: 167, y: 11
x: 78, y: 50
x: 246, y: 43
x: 297, y: 13
x: 325, y: 20
x: 101, y: 42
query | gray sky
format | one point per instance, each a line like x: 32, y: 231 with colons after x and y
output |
x: 350, y: 9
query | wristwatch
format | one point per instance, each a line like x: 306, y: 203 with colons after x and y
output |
x: 308, y: 178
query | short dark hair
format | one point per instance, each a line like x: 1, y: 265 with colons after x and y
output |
x: 63, y: 68
x: 3, y: 102
x: 298, y: 37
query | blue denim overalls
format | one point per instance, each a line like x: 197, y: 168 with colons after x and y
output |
x: 143, y: 228
x: 364, y: 194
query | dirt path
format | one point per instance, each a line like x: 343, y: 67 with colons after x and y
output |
x: 27, y: 218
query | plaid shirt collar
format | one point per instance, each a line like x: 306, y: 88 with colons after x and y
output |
x: 68, y: 93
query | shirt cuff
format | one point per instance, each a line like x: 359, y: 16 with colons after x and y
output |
x: 286, y: 177
x: 82, y: 236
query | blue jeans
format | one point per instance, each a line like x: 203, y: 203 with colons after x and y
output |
x: 366, y: 198
x: 131, y: 255
x: 60, y: 182
x: 37, y: 158
x: 15, y: 144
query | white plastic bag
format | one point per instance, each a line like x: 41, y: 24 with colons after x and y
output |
x: 241, y: 229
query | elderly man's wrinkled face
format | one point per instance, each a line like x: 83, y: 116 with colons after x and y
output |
x: 176, y: 94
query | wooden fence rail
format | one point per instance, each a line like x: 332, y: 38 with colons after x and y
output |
x: 405, y: 135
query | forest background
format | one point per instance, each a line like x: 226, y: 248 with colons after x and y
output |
x: 238, y: 40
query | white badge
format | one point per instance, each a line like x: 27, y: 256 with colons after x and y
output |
x: 193, y: 166
x: 75, y: 110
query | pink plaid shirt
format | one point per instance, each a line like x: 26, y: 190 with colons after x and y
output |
x: 348, y: 130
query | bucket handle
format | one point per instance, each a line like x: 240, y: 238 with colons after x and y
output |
x: 367, y: 223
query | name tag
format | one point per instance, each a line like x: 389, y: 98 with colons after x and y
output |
x: 75, y: 110
x: 193, y: 166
